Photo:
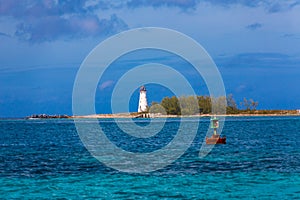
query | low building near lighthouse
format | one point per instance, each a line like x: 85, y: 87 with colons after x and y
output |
x: 143, y: 104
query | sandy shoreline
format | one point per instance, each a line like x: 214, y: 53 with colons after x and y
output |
x: 128, y: 115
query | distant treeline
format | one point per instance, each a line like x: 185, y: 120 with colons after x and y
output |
x: 190, y: 105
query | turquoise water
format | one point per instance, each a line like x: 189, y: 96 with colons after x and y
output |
x: 46, y: 159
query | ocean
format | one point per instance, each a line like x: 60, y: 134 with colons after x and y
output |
x: 45, y: 158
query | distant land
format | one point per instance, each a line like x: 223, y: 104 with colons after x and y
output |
x: 188, y: 106
x: 159, y: 115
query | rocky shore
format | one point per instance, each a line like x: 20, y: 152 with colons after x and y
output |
x: 44, y: 116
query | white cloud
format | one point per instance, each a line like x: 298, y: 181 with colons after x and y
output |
x: 106, y: 84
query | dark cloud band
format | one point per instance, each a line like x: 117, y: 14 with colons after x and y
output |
x: 49, y: 20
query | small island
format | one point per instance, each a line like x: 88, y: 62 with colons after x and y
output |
x: 186, y: 106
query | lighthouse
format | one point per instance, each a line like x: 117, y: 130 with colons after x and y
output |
x: 143, y: 105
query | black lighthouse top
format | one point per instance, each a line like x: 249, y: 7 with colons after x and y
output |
x: 142, y: 88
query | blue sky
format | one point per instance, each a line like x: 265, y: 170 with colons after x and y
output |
x: 255, y: 44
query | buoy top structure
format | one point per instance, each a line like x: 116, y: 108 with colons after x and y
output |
x: 214, y: 123
x: 143, y: 105
x: 215, y: 138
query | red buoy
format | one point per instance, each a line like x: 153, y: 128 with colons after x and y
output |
x: 215, y: 138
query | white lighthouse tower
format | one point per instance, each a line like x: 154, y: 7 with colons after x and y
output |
x: 143, y: 105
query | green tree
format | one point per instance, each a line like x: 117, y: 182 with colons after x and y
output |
x: 155, y: 107
x: 204, y: 103
x: 189, y: 105
x: 219, y: 105
x: 245, y: 104
x: 231, y: 105
x: 253, y: 104
x: 171, y: 105
x: 249, y: 105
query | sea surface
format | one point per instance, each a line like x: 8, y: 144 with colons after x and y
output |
x: 46, y: 159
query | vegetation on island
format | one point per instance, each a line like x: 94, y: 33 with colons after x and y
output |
x: 191, y: 105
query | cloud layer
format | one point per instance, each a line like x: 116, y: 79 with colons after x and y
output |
x: 269, y: 5
x: 75, y: 26
x: 48, y: 20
